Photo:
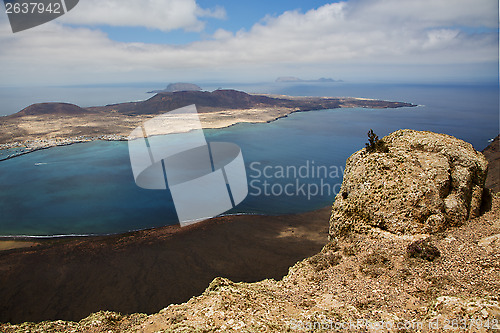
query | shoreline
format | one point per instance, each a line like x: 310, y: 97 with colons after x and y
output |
x: 26, y: 149
x: 51, y: 143
x: 28, y: 238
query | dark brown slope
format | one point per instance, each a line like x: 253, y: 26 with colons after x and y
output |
x: 147, y: 270
x: 52, y: 108
x: 492, y: 154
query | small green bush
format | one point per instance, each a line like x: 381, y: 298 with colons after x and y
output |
x: 375, y: 144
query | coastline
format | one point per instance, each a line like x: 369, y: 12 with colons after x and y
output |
x: 209, y: 121
x: 26, y: 148
x: 39, y: 239
x: 212, y: 120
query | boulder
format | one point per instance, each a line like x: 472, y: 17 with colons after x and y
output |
x: 425, y: 183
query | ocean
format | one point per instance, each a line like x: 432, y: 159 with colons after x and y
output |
x: 294, y: 164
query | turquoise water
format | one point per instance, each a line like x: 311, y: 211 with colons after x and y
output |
x: 89, y: 189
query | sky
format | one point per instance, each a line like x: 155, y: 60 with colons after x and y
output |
x: 122, y: 41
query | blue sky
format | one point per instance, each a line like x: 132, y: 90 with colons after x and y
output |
x: 117, y: 41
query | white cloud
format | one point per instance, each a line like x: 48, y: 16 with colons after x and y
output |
x: 218, y: 12
x: 222, y: 34
x: 164, y: 15
x: 342, y: 36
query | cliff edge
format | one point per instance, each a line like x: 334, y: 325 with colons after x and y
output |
x: 409, y: 252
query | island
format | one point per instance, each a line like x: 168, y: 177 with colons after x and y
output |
x: 296, y: 79
x: 179, y: 86
x: 45, y: 125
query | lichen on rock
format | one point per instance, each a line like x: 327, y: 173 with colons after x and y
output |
x: 425, y: 183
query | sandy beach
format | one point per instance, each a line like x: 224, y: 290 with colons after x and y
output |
x: 15, y: 244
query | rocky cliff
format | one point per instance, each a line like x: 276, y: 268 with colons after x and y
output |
x: 424, y: 183
x: 391, y: 265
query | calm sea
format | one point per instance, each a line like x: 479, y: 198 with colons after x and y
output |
x: 294, y: 164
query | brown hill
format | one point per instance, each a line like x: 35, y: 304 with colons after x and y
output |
x: 204, y: 100
x: 52, y: 108
x: 492, y: 154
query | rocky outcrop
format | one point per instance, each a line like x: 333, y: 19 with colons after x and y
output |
x: 425, y: 183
